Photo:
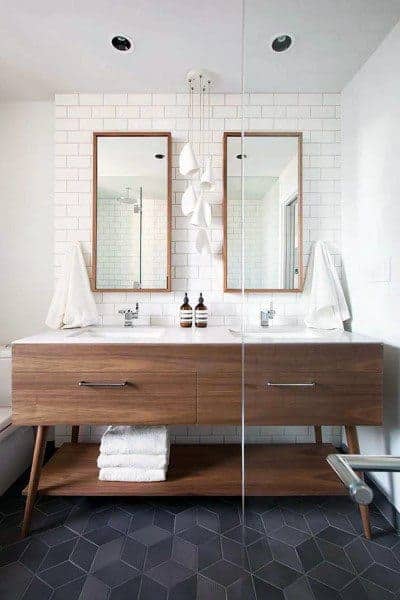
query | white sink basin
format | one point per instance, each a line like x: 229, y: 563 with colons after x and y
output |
x: 124, y: 333
x: 277, y: 332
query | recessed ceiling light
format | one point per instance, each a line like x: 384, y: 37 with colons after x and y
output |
x: 282, y: 43
x: 123, y: 43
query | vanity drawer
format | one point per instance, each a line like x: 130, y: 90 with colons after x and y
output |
x: 220, y: 397
x: 313, y: 398
x: 148, y: 398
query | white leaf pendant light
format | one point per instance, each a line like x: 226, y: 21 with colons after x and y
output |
x: 201, y: 216
x: 189, y: 200
x: 206, y: 182
x: 188, y: 165
x: 203, y: 243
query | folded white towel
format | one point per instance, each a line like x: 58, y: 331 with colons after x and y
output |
x: 327, y: 307
x: 130, y: 474
x: 135, y: 439
x: 73, y: 304
x: 138, y: 461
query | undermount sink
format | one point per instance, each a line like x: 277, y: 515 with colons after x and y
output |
x: 124, y: 333
x: 278, y: 332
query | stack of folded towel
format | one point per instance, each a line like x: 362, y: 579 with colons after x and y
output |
x: 134, y: 453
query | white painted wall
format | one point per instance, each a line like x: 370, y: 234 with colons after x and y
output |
x: 26, y: 217
x: 371, y: 228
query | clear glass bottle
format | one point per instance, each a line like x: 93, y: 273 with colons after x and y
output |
x: 201, y: 313
x: 186, y: 313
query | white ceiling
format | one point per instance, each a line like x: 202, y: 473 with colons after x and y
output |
x: 49, y: 46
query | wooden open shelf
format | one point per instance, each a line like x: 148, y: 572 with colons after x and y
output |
x: 202, y: 470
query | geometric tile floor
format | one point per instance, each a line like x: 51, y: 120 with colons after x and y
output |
x: 195, y: 549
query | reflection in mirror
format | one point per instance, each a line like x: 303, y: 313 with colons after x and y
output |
x: 131, y: 211
x: 271, y: 164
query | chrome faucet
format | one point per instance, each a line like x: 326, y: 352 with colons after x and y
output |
x: 267, y: 315
x: 130, y: 315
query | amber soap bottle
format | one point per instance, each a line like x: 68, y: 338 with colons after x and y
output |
x: 186, y: 313
x: 201, y: 313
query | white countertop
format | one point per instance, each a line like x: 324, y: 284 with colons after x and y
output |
x: 209, y: 335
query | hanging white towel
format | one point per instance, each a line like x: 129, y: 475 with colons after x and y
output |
x: 137, y: 461
x: 129, y: 474
x: 135, y: 439
x: 73, y: 304
x: 327, y: 307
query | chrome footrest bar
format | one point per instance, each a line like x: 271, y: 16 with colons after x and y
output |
x: 345, y: 466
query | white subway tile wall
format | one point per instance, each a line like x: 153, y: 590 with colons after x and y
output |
x: 316, y: 115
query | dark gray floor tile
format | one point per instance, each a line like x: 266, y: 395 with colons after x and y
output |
x: 120, y: 521
x: 126, y: 591
x: 34, y: 554
x: 260, y: 504
x: 13, y: 552
x: 323, y: 592
x: 242, y: 589
x: 185, y: 590
x: 253, y: 520
x: 224, y: 573
x: 107, y: 554
x: 388, y: 538
x: 134, y: 553
x: 77, y: 520
x: 61, y: 574
x: 116, y: 573
x: 383, y: 556
x: 186, y: 519
x: 56, y: 536
x: 335, y: 555
x: 169, y: 574
x: 83, y: 554
x: 332, y: 576
x: 208, y: 589
x: 164, y: 519
x: 37, y: 590
x: 384, y: 577
x: 208, y: 519
x: 285, y: 554
x: 184, y: 553
x: 358, y: 555
x: 70, y: 591
x: 259, y: 554
x: 296, y: 520
x: 336, y: 536
x: 309, y: 554
x: 376, y: 592
x: 273, y: 520
x: 57, y: 554
x: 158, y: 553
x: 150, y: 590
x: 354, y: 591
x: 197, y: 535
x: 103, y: 535
x: 209, y: 553
x: 265, y: 591
x: 278, y: 575
x: 142, y: 518
x: 235, y: 553
x: 316, y: 520
x: 299, y: 590
x: 289, y: 535
x: 94, y: 589
x: 99, y: 519
x: 150, y: 535
x: 243, y: 534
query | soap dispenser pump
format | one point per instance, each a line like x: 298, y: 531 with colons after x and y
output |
x: 186, y: 313
x: 201, y: 313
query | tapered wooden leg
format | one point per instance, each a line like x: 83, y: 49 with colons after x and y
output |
x: 318, y: 435
x: 354, y: 447
x: 37, y: 461
x: 75, y: 434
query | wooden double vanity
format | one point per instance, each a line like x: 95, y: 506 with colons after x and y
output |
x: 195, y: 377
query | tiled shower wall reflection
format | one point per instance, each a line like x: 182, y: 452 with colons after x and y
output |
x: 316, y: 115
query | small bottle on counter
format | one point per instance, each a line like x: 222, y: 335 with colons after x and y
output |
x: 186, y: 313
x: 201, y: 313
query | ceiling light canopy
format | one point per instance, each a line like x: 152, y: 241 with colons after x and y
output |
x: 122, y: 43
x: 282, y: 42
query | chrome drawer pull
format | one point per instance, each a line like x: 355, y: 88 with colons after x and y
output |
x: 102, y: 384
x: 295, y: 385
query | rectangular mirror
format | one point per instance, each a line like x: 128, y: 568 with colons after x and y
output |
x: 131, y: 211
x: 272, y: 211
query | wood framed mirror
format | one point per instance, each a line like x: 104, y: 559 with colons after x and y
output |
x: 131, y: 238
x: 272, y: 211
